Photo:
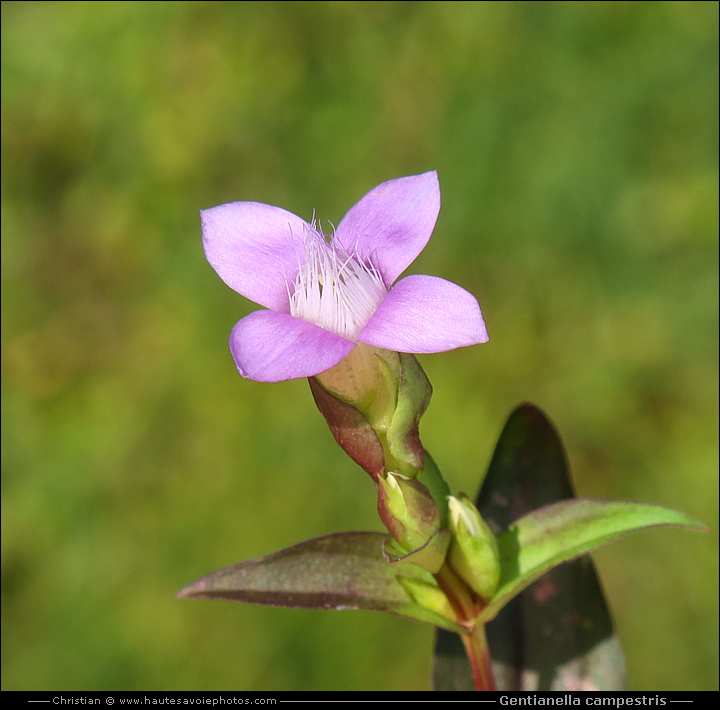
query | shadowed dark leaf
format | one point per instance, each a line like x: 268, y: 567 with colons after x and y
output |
x: 557, y: 633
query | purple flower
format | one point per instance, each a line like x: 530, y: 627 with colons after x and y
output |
x: 326, y: 295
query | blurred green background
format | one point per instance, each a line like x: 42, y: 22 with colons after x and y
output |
x: 576, y: 144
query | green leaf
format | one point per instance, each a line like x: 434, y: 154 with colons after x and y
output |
x: 556, y: 634
x: 340, y: 571
x: 562, y: 531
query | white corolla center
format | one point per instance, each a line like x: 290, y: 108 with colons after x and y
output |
x: 334, y: 289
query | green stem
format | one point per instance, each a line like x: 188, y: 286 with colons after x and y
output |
x: 478, y: 654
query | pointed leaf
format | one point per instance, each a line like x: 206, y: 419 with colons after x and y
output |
x: 340, y: 571
x: 561, y: 531
x: 556, y: 634
x: 528, y: 469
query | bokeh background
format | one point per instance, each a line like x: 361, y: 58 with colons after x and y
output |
x: 576, y: 144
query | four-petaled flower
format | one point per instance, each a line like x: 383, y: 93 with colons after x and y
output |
x: 326, y: 295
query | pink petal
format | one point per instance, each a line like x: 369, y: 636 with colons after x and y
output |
x: 392, y: 224
x: 272, y: 347
x: 425, y: 314
x: 254, y: 247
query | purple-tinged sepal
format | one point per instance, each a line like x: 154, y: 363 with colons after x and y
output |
x: 368, y: 378
x: 351, y: 430
x: 391, y: 392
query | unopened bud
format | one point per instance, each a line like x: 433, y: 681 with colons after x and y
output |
x: 473, y: 551
x: 412, y: 518
x: 407, y: 509
x: 429, y: 596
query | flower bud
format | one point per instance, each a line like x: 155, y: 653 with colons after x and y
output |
x: 473, y: 551
x: 412, y: 518
x: 407, y: 509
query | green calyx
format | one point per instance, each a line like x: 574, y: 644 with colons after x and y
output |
x: 392, y: 392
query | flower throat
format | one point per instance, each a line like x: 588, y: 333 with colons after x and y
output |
x: 334, y: 289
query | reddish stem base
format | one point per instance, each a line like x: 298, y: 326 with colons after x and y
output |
x: 478, y: 654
